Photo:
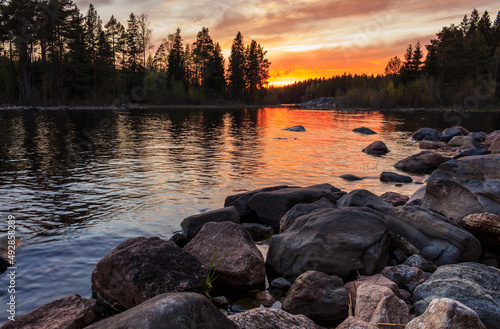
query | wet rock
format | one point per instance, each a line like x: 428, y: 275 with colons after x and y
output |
x: 241, y: 263
x: 302, y: 209
x: 376, y: 148
x: 353, y: 322
x: 416, y: 198
x: 70, y: 312
x: 471, y: 152
x: 350, y: 178
x: 271, y: 206
x: 405, y: 277
x: 295, y: 128
x: 258, y: 232
x: 265, y: 298
x: 446, y: 313
x: 427, y: 134
x: 320, y: 297
x: 170, y: 311
x: 464, y: 186
x: 450, y: 133
x: 364, y: 131
x: 389, y: 177
x: 421, y: 163
x: 140, y: 269
x: 395, y: 199
x: 475, y: 285
x: 240, y: 202
x: 486, y: 227
x: 420, y: 263
x: 262, y: 318
x: 192, y: 225
x: 431, y: 145
x: 325, y: 238
x: 377, y: 304
x: 438, y: 238
x: 464, y: 142
x: 377, y: 279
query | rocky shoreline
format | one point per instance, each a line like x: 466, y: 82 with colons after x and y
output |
x: 334, y: 260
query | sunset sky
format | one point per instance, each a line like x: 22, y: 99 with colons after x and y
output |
x: 304, y: 38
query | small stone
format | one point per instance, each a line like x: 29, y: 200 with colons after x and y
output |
x: 389, y: 177
x: 420, y: 262
x: 350, y: 178
x: 376, y: 148
x: 395, y: 199
x: 221, y: 302
x: 295, y: 129
x: 364, y: 131
x: 404, y: 276
x: 265, y: 298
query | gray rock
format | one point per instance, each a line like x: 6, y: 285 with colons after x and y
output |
x: 463, y: 141
x: 296, y: 129
x: 353, y: 322
x: 449, y: 133
x: 320, y: 297
x: 324, y: 239
x: 438, y: 238
x: 302, y: 209
x: 427, y: 134
x: 279, y: 286
x: 395, y: 199
x: 431, y: 145
x: 475, y: 285
x: 446, y: 313
x: 376, y: 148
x: 364, y: 131
x: 478, y: 136
x: 170, y: 311
x: 241, y: 263
x: 406, y: 277
x: 471, y: 152
x: 420, y: 263
x: 390, y: 177
x: 271, y: 206
x: 140, y: 269
x: 416, y: 198
x: 421, y: 163
x: 263, y: 318
x: 71, y: 312
x: 259, y: 232
x: 240, y: 202
x: 193, y: 224
x: 350, y: 178
x: 465, y: 186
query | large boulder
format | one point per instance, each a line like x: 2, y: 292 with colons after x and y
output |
x: 486, y: 227
x: 475, y: 285
x: 302, y: 209
x: 240, y: 202
x: 427, y: 134
x: 390, y: 177
x: 320, y: 297
x: 495, y: 145
x: 421, y: 163
x: 446, y: 313
x: 170, y: 311
x: 241, y: 263
x: 192, y: 225
x: 465, y: 142
x: 71, y: 312
x: 263, y: 318
x: 376, y: 148
x: 465, y: 186
x: 140, y: 269
x: 438, y: 238
x: 377, y: 304
x: 271, y: 206
x: 449, y: 133
x: 334, y: 241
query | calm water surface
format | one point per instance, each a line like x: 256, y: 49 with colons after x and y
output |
x: 79, y: 182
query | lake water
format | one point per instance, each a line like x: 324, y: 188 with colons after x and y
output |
x: 79, y: 182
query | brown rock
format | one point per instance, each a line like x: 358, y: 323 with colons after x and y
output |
x: 376, y: 148
x: 431, y: 145
x: 265, y: 298
x: 263, y: 318
x: 486, y: 227
x: 495, y: 145
x: 378, y: 279
x: 446, y: 313
x: 71, y: 312
x: 395, y: 199
x: 353, y: 322
x: 140, y: 269
x: 241, y: 263
x: 420, y: 163
x: 420, y: 262
x: 464, y: 142
x: 377, y: 304
x: 491, y: 138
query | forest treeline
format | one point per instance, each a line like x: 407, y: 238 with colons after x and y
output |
x: 51, y: 53
x: 460, y: 69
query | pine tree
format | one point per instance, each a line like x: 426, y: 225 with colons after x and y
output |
x: 236, y: 69
x: 133, y: 46
x: 144, y: 35
x: 416, y: 58
x: 203, y: 50
x: 93, y: 30
x: 177, y: 60
x: 216, y: 79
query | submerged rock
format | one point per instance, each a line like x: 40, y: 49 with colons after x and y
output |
x: 350, y: 178
x: 475, y: 285
x: 241, y: 263
x: 364, y: 131
x: 295, y: 128
x: 170, y: 311
x: 140, y: 269
x: 320, y: 297
x: 376, y: 148
x: 263, y: 318
x: 389, y: 177
x: 70, y: 312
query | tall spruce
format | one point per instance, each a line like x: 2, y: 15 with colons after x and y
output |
x: 177, y: 60
x: 236, y: 69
